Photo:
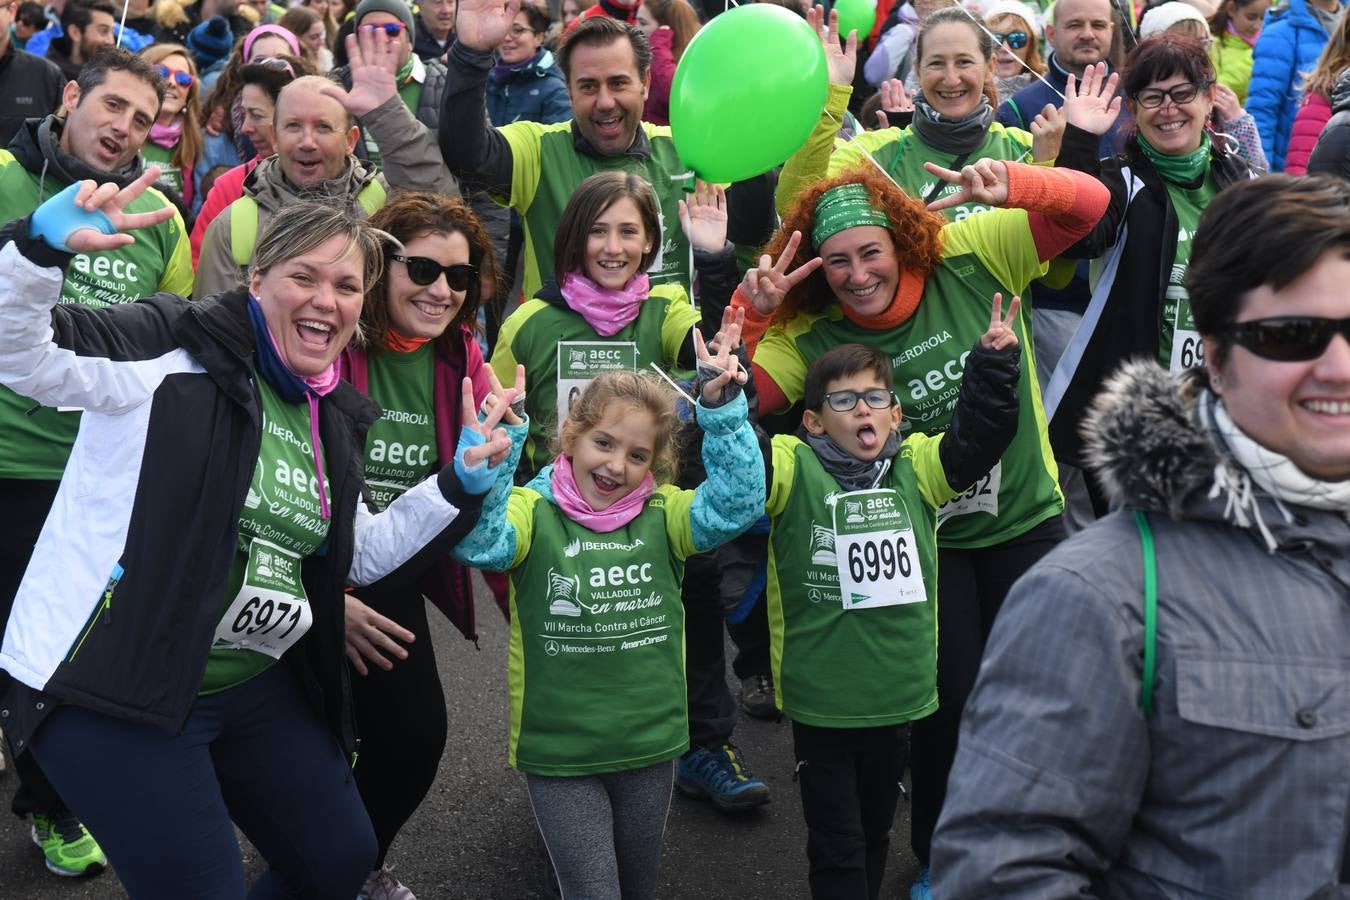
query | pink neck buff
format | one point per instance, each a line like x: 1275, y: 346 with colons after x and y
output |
x: 167, y: 136
x: 1251, y: 41
x: 607, y: 311
x: 568, y: 497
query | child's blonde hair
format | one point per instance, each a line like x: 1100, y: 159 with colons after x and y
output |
x: 638, y: 390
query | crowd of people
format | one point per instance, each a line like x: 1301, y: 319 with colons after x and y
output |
x: 1004, y: 427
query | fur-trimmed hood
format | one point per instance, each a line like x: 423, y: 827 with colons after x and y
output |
x: 1142, y: 441
x: 1153, y: 443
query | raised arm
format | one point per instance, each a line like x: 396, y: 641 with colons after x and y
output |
x: 411, y: 157
x: 75, y: 356
x: 475, y: 152
x: 1062, y: 205
x: 985, y: 420
x: 426, y: 521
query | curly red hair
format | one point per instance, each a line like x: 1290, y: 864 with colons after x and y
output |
x: 915, y: 231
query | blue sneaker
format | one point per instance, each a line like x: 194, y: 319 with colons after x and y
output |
x: 721, y: 776
x: 920, y: 889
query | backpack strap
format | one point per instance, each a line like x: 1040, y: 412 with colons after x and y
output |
x: 372, y: 196
x: 243, y: 229
x: 244, y: 220
x: 1150, y: 611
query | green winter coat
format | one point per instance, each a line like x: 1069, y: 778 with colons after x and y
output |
x: 1232, y: 58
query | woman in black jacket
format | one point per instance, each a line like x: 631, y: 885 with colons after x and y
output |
x: 1169, y: 171
x: 205, y: 529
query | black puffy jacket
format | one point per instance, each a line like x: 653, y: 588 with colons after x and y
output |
x: 1331, y: 156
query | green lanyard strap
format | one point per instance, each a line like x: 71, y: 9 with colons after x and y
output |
x: 1150, y: 611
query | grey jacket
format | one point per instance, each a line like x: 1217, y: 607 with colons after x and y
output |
x: 1238, y: 785
x: 414, y: 162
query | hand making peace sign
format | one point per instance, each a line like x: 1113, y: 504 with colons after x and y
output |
x: 1000, y: 333
x: 766, y: 285
x: 722, y: 355
x: 111, y: 201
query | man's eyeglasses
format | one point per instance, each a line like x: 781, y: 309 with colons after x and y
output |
x: 1180, y: 94
x: 1287, y: 338
x: 393, y: 29
x: 1014, y: 39
x: 425, y: 271
x: 182, y: 79
x: 876, y: 398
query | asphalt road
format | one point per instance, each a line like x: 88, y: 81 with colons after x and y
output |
x: 473, y: 836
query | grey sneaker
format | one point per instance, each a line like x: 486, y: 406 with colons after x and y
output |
x: 382, y: 885
x: 757, y: 697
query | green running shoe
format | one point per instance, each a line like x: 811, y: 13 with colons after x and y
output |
x: 69, y: 848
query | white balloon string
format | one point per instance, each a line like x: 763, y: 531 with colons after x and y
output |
x: 1023, y: 63
x: 671, y: 382
x: 122, y: 26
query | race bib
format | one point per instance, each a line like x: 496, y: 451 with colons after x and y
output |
x: 982, y: 496
x: 271, y: 611
x: 875, y: 551
x: 1188, y: 351
x: 579, y: 362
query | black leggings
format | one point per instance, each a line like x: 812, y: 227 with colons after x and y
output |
x: 971, y: 588
x: 401, y: 719
x: 26, y: 505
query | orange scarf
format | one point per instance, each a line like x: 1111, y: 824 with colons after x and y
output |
x: 906, y: 301
x: 400, y: 344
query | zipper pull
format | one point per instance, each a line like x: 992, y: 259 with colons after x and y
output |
x: 113, y: 581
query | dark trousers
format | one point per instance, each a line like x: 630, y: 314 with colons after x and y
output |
x: 971, y: 588
x: 712, y: 708
x: 400, y: 716
x: 161, y: 804
x: 26, y: 505
x: 850, y: 783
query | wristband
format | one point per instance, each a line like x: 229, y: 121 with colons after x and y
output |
x: 59, y: 218
x: 478, y: 477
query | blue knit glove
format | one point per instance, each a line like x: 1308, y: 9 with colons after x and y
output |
x: 57, y: 219
x: 477, y: 478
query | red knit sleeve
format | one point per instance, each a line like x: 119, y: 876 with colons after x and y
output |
x: 1062, y: 204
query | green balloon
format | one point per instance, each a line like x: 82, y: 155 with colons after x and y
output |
x: 747, y: 92
x: 856, y: 15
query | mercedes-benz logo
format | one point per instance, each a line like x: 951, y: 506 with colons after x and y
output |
x: 551, y: 648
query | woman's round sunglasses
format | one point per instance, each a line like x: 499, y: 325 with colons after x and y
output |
x: 182, y: 79
x: 1287, y: 338
x: 425, y: 271
x: 1014, y: 39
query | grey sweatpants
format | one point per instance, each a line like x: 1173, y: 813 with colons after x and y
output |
x: 603, y: 832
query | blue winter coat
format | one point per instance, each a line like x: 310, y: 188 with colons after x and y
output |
x: 1291, y: 40
x: 536, y: 93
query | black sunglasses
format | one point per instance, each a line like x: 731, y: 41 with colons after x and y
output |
x: 425, y: 271
x: 1287, y: 338
x: 1014, y: 39
x: 843, y: 401
x: 1181, y: 94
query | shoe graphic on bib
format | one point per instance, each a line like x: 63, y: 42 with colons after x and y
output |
x: 722, y: 776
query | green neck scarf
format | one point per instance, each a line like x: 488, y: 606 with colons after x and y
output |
x: 1184, y: 170
x: 843, y: 207
x: 404, y: 72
